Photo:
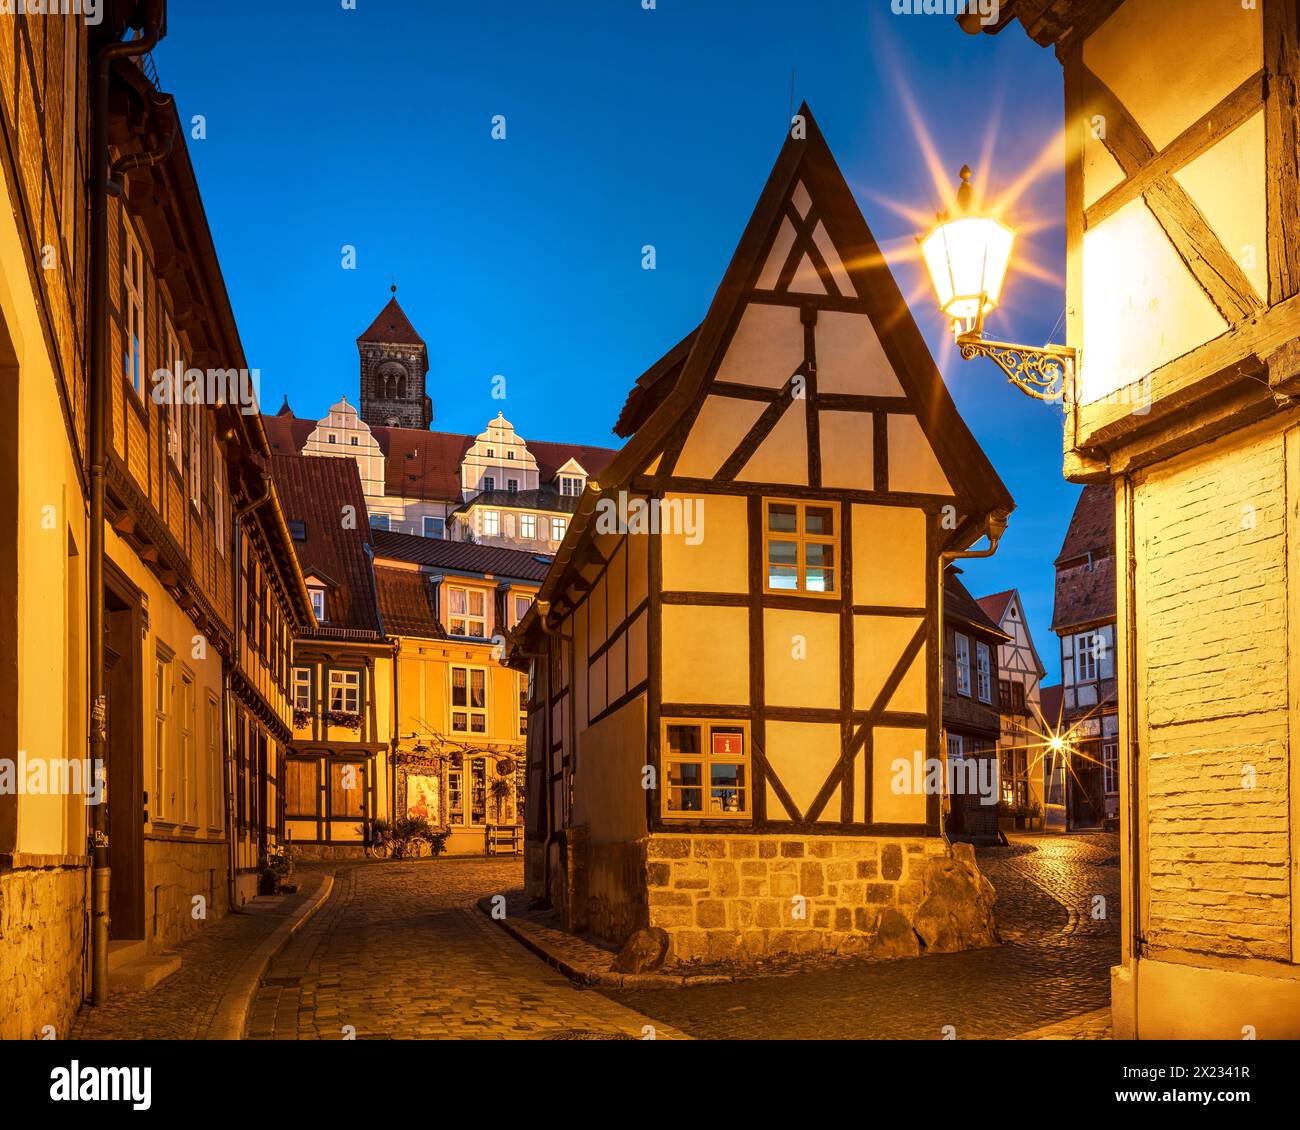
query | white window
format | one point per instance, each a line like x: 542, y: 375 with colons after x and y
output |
x: 491, y: 523
x: 302, y: 688
x: 196, y: 454
x: 962, y: 649
x: 215, y: 788
x: 133, y: 311
x: 379, y: 521
x: 467, y: 612
x: 521, y: 604
x: 219, y: 496
x: 983, y: 672
x: 318, y: 603
x: 1087, y: 648
x: 468, y: 700
x: 1110, y: 766
x: 189, y: 810
x: 433, y: 527
x: 174, y: 394
x: 345, y: 691
x: 956, y: 745
x: 162, y: 685
x: 558, y: 528
x: 570, y: 485
x: 527, y: 525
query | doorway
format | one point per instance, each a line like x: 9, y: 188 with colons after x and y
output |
x: 123, y: 628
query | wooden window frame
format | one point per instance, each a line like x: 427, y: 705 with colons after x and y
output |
x: 314, y: 591
x: 1085, y: 648
x: 173, y: 417
x: 164, y: 695
x: 491, y: 523
x: 470, y: 712
x: 133, y: 312
x: 187, y: 748
x: 295, y: 686
x: 216, y: 785
x: 344, y: 672
x: 289, y: 812
x: 983, y: 672
x: 559, y: 528
x: 802, y: 538
x: 466, y: 617
x: 528, y: 526
x: 960, y: 643
x: 706, y: 759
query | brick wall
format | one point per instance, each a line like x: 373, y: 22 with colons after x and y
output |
x: 1212, y: 628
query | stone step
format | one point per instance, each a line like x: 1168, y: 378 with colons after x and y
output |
x: 125, y: 949
x: 142, y: 973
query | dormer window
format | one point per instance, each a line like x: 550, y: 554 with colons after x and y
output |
x: 318, y: 603
x: 571, y: 485
x: 297, y: 529
x: 489, y: 483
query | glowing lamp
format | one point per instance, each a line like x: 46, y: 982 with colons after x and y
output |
x: 967, y: 257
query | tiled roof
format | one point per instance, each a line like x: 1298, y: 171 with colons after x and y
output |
x: 314, y: 491
x: 653, y: 386
x: 406, y: 602
x: 1092, y: 529
x: 1050, y: 700
x: 1085, y: 592
x: 392, y: 327
x: 995, y: 605
x: 548, y: 498
x: 426, y: 465
x: 461, y: 556
x: 958, y: 603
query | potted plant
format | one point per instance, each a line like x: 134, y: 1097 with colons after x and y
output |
x: 381, y: 839
x: 276, y: 867
x: 301, y: 717
x: 500, y: 790
x: 1006, y: 816
x: 348, y: 719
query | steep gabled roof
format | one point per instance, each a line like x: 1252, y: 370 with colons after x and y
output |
x: 1092, y: 528
x: 315, y: 491
x: 808, y: 161
x: 653, y: 386
x: 406, y: 601
x: 958, y: 604
x: 460, y: 556
x: 392, y: 327
x: 995, y: 606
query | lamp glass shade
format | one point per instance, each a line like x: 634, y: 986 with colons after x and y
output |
x: 967, y: 259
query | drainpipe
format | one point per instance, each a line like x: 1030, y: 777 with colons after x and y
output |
x: 98, y: 409
x: 995, y: 525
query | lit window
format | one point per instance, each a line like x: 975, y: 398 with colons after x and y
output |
x: 133, y: 312
x: 491, y: 523
x: 707, y: 767
x: 433, y: 527
x: 318, y: 604
x: 558, y: 528
x: 455, y: 797
x: 800, y: 541
x: 468, y: 700
x: 983, y: 672
x: 478, y: 791
x: 467, y: 612
x: 522, y: 604
x: 345, y: 691
x: 961, y: 648
x: 527, y: 525
x: 302, y: 688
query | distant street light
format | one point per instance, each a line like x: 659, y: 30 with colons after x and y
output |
x: 967, y: 257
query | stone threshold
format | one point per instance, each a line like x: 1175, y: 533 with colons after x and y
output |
x: 585, y: 962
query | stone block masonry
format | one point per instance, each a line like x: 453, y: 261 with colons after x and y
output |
x: 737, y: 898
x: 42, y: 939
x: 175, y: 872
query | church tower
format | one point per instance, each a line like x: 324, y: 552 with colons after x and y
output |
x: 394, y: 363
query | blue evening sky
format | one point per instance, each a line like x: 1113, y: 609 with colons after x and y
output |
x: 625, y: 127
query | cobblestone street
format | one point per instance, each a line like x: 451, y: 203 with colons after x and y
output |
x: 400, y: 952
x: 1054, y: 966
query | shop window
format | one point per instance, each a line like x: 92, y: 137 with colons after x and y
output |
x: 478, y: 791
x: 706, y: 769
x: 455, y: 796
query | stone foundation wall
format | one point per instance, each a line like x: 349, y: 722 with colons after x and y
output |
x: 42, y: 939
x: 329, y: 852
x: 174, y: 873
x: 616, y: 902
x: 743, y: 897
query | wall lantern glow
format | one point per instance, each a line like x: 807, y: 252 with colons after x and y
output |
x: 967, y: 256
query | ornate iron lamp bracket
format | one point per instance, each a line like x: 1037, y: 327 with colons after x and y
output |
x: 1043, y: 373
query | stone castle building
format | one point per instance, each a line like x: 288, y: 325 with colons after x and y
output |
x: 495, y: 488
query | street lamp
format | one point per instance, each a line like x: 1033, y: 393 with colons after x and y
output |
x: 967, y: 257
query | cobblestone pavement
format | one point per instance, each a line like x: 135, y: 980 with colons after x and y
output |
x: 1054, y: 965
x: 400, y: 952
x: 184, y: 1005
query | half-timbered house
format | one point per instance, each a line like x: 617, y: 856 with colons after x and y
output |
x: 735, y: 658
x: 1182, y: 214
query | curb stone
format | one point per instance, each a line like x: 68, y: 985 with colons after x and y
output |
x: 595, y: 969
x: 232, y: 1010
